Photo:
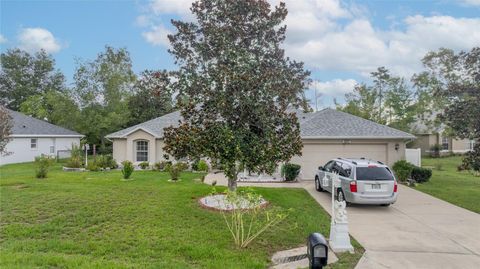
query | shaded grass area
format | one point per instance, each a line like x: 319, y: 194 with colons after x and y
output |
x: 96, y: 220
x: 459, y: 188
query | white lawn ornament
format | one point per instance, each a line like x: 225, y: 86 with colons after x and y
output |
x: 339, y: 238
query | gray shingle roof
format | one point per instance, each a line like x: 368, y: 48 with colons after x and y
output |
x: 154, y: 126
x: 26, y: 125
x: 330, y: 123
x: 326, y: 124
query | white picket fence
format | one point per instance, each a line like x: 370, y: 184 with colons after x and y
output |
x: 413, y: 156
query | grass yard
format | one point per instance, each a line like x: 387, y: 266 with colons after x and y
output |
x: 459, y: 188
x: 96, y: 220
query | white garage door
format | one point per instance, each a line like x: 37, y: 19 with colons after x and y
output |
x: 315, y: 155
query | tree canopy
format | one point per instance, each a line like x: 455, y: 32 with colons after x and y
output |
x: 23, y: 75
x: 102, y: 88
x: 236, y: 88
x: 152, y: 96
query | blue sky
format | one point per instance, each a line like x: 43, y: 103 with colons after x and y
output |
x: 340, y: 41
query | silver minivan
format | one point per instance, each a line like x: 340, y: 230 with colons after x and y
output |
x: 363, y: 181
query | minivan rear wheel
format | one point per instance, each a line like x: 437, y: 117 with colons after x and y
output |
x: 341, y: 197
x: 318, y: 187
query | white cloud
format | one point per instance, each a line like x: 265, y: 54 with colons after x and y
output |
x: 359, y: 47
x: 35, y: 39
x: 179, y: 7
x: 336, y: 36
x: 334, y: 88
x: 471, y: 2
x: 157, y: 36
x: 3, y: 39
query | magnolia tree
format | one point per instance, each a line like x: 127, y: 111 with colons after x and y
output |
x: 236, y: 88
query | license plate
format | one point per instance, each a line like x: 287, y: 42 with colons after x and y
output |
x: 376, y: 186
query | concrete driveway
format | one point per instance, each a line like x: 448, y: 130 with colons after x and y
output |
x: 418, y: 231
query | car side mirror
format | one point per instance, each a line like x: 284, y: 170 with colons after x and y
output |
x: 321, y: 168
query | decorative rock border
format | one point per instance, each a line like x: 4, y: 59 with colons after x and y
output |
x: 216, y: 202
x: 70, y: 169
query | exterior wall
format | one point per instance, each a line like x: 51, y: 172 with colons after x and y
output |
x: 21, y: 151
x: 423, y: 142
x: 160, y: 152
x: 119, y: 150
x: 460, y: 145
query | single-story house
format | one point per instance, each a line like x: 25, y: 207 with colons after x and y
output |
x: 448, y: 144
x: 326, y: 134
x: 31, y: 137
x: 429, y: 135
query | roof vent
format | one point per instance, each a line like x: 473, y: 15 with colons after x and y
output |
x: 24, y: 126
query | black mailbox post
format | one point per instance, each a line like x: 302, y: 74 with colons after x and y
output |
x: 317, y: 250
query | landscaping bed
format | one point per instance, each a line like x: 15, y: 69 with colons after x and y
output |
x: 96, y: 220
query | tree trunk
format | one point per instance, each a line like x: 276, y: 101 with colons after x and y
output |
x: 232, y: 184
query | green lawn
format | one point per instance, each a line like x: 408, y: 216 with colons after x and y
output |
x: 96, y: 220
x: 459, y: 188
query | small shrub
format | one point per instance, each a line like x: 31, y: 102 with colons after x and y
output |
x: 127, y: 169
x: 182, y: 166
x: 106, y: 161
x: 174, y: 170
x: 159, y: 166
x: 144, y: 165
x: 435, y: 150
x: 202, y: 166
x: 74, y: 162
x: 194, y: 165
x: 43, y: 164
x: 93, y: 167
x: 76, y: 154
x: 290, y: 171
x: 420, y: 174
x: 403, y: 170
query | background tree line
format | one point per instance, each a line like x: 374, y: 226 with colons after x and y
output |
x: 105, y: 96
x: 446, y: 93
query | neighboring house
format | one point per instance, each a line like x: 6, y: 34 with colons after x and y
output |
x: 425, y: 141
x: 326, y: 134
x: 429, y: 135
x: 32, y: 137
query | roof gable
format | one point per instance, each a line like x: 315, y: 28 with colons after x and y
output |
x: 24, y: 125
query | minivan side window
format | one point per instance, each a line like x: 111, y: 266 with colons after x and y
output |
x: 328, y: 166
x: 340, y: 169
x: 347, y: 169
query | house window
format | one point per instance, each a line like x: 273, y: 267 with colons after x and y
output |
x: 142, y: 151
x: 33, y: 143
x: 470, y: 144
x: 444, y: 143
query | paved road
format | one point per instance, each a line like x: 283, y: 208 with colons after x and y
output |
x: 418, y: 231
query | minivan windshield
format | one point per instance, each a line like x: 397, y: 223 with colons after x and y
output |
x: 373, y: 173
